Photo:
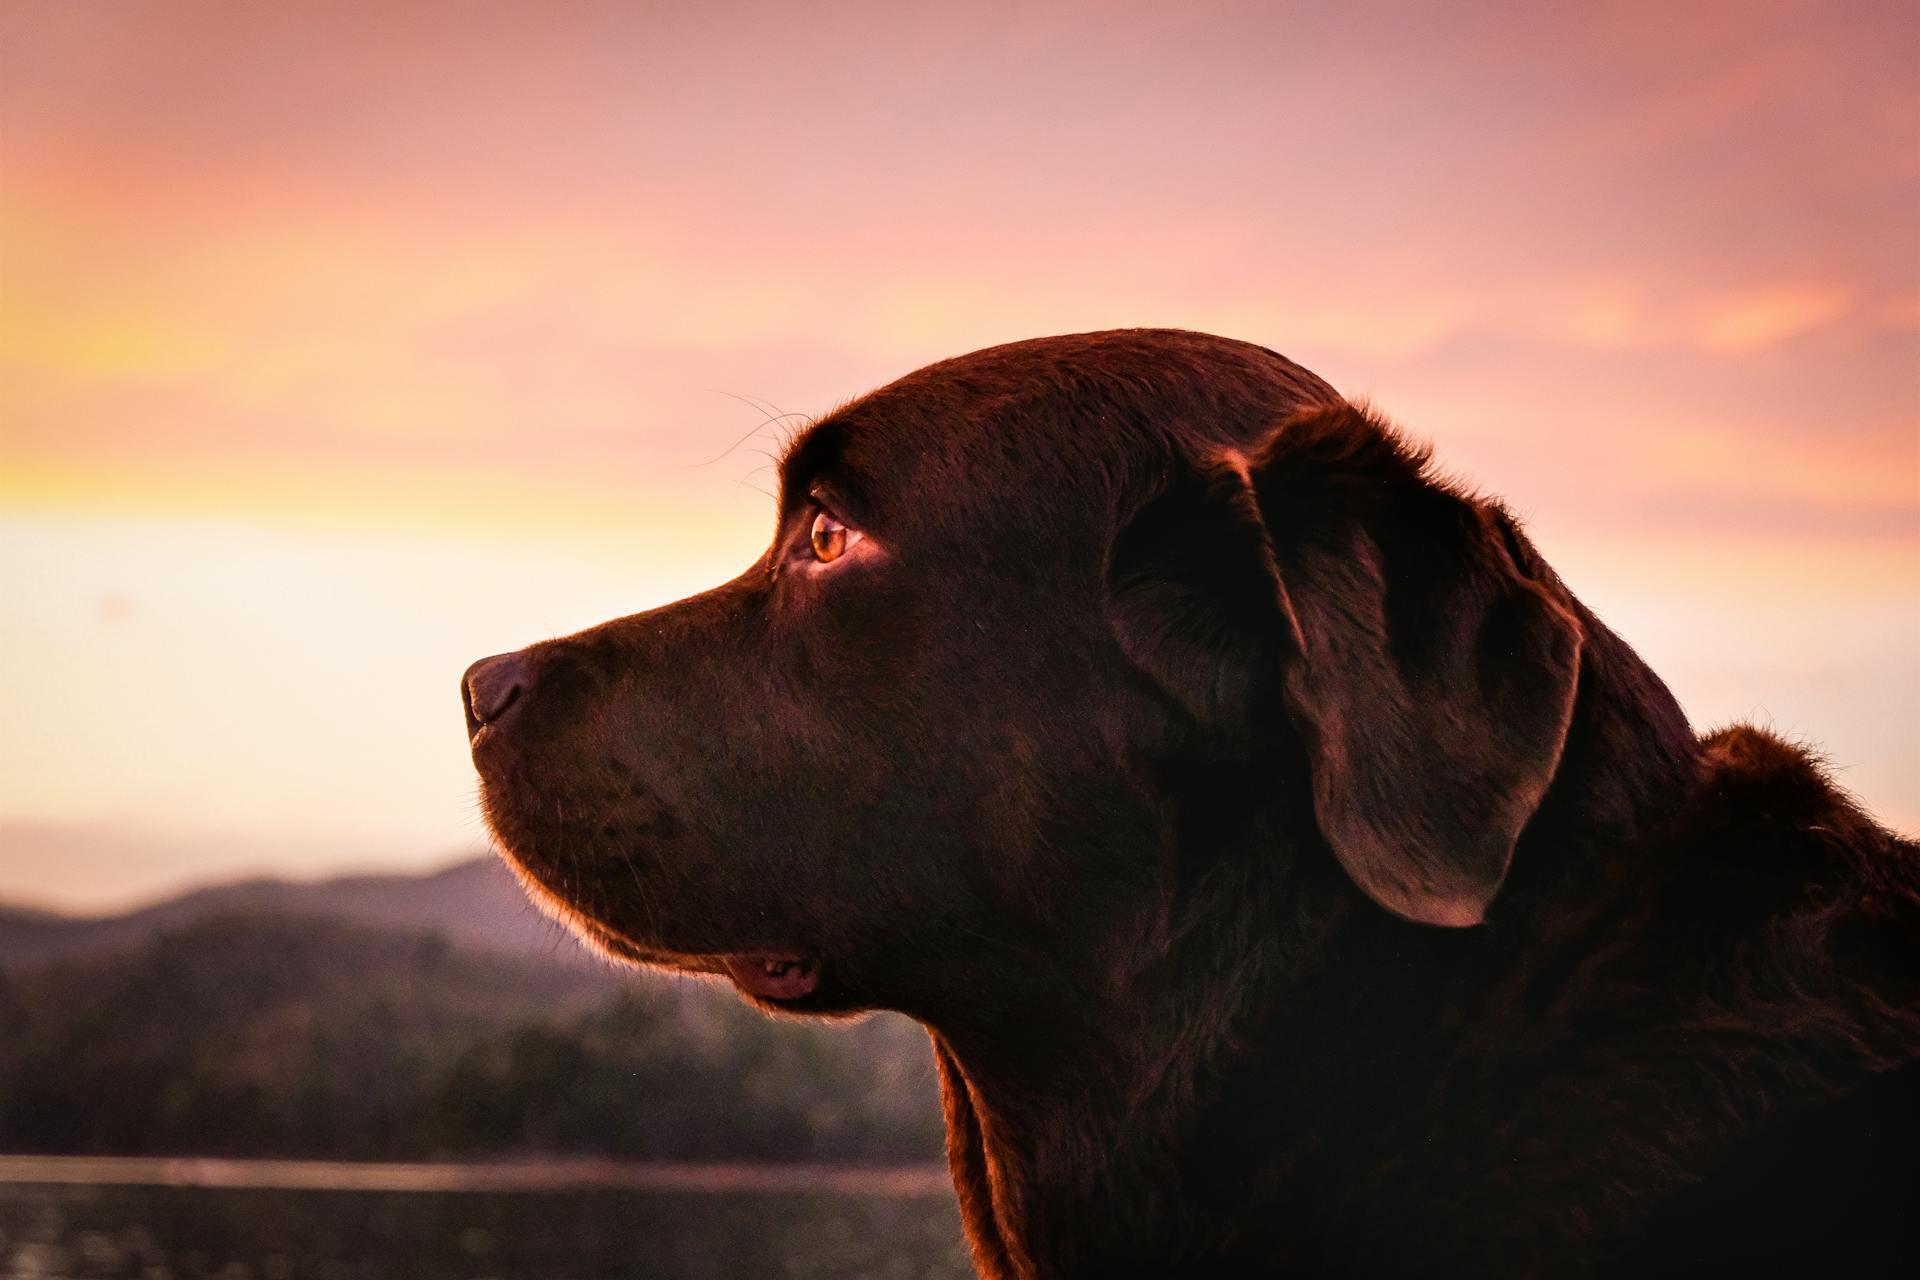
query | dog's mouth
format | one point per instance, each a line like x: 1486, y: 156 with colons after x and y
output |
x: 774, y: 975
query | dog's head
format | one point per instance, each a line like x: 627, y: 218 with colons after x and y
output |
x: 1038, y: 625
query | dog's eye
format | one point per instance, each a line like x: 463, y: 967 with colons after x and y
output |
x: 831, y: 538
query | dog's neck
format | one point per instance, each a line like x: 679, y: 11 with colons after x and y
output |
x: 1124, y: 1125
x: 1630, y: 761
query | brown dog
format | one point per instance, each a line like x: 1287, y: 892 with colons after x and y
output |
x: 1291, y: 872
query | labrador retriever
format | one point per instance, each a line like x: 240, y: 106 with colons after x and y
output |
x: 1292, y: 874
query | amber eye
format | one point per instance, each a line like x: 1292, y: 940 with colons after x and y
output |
x: 830, y: 538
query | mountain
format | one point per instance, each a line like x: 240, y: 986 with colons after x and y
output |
x: 474, y: 904
x: 278, y: 1036
x: 418, y: 1017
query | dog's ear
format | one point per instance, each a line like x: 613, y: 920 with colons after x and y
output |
x: 1196, y: 596
x: 1403, y: 632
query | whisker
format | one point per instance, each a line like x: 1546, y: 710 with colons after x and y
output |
x: 775, y: 412
x: 773, y: 415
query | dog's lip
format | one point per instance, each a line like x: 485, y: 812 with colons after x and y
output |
x: 766, y: 975
x: 488, y: 745
x: 774, y: 975
x: 770, y: 975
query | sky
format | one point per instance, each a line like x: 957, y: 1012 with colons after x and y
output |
x: 344, y: 343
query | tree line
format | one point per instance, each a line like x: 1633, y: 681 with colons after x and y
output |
x: 278, y: 1036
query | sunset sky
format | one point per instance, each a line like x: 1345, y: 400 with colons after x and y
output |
x: 344, y: 343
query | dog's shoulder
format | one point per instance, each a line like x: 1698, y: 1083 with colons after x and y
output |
x: 1770, y: 1011
x: 1769, y: 829
x: 1826, y: 1189
x: 1809, y: 912
x: 1806, y: 907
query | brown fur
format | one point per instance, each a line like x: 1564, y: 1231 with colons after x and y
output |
x: 1292, y: 873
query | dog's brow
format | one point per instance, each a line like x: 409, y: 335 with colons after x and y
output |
x: 810, y: 458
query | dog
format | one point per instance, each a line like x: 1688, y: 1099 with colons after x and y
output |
x: 1292, y: 874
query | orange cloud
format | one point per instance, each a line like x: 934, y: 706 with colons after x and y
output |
x: 1759, y: 320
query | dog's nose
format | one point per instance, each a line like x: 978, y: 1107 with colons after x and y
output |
x: 492, y: 687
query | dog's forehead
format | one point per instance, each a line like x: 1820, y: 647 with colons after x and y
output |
x: 1078, y: 409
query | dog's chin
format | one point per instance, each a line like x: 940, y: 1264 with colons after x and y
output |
x: 786, y: 980
x: 783, y: 981
x: 781, y: 978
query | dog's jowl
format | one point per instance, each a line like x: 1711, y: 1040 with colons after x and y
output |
x: 1294, y: 876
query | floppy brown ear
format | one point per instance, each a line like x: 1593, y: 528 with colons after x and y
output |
x: 1427, y: 667
x: 1196, y: 598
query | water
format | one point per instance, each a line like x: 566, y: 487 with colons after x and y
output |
x: 307, y: 1226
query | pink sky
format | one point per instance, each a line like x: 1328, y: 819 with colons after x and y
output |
x: 342, y: 343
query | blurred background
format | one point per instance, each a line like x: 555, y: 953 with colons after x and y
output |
x: 344, y: 343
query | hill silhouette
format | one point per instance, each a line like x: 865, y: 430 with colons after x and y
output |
x: 474, y: 903
x: 399, y: 1017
